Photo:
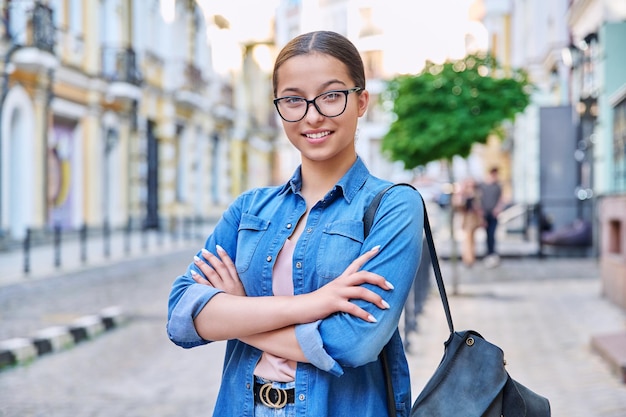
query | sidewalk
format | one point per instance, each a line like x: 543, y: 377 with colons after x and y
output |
x: 74, y: 256
x: 77, y: 259
x: 544, y: 314
x: 124, y: 247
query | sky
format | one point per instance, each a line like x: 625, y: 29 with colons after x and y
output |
x: 414, y: 31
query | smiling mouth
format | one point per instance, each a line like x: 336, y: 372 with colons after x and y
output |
x: 319, y: 135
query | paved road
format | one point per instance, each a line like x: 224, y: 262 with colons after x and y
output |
x: 131, y: 371
x: 541, y: 313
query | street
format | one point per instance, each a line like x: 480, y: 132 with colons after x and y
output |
x: 130, y: 371
x: 542, y: 313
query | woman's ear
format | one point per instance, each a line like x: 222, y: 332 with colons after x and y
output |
x: 364, y: 99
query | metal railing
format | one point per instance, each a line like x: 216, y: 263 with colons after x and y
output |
x: 120, y: 64
x: 85, y: 241
x: 43, y: 31
x: 533, y: 222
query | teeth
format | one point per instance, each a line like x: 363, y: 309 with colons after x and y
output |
x: 317, y: 135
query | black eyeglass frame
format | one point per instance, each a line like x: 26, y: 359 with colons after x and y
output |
x: 312, y: 101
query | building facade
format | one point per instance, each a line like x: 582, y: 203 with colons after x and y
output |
x: 598, y: 30
x: 111, y: 116
x: 393, y: 39
x: 568, y: 147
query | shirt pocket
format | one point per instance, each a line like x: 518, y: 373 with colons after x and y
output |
x: 340, y: 244
x: 251, y: 231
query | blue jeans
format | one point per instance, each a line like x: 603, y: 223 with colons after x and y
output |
x: 288, y: 410
x: 490, y: 229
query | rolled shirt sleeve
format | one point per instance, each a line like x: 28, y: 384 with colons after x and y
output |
x: 342, y: 340
x: 184, y: 307
x: 310, y: 340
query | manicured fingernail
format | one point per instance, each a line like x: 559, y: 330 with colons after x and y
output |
x: 389, y: 285
x: 219, y: 248
x: 205, y: 252
x: 372, y: 319
x: 386, y: 304
x: 194, y: 273
x: 375, y: 248
x: 196, y: 259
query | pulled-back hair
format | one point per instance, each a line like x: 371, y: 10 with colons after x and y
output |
x: 324, y: 42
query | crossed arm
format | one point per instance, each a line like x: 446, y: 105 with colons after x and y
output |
x: 228, y: 315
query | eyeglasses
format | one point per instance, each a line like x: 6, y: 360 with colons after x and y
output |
x: 329, y: 104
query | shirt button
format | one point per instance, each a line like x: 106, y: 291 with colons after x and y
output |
x: 301, y: 397
x: 248, y: 385
x: 269, y: 259
x: 309, y: 230
x: 298, y: 265
x: 288, y: 225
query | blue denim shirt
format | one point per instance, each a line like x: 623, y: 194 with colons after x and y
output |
x: 344, y: 376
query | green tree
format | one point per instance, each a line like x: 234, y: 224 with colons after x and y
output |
x: 446, y: 108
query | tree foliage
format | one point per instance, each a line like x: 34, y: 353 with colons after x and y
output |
x: 442, y: 111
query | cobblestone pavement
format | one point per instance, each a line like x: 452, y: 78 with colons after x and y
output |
x: 130, y: 371
x: 542, y: 313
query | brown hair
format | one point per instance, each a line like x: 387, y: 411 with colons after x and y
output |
x: 324, y: 42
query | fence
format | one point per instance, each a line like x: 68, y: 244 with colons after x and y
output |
x: 105, y: 243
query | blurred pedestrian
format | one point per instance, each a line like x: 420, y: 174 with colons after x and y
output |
x: 468, y: 205
x: 286, y: 276
x: 491, y: 204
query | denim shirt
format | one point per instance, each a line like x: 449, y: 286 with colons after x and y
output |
x: 344, y: 376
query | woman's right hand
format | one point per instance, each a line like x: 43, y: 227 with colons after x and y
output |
x: 335, y: 296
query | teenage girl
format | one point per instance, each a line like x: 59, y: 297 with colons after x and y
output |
x: 287, y: 278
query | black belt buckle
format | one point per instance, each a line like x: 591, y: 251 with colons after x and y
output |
x: 273, y: 397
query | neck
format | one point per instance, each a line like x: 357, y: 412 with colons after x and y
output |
x: 320, y: 177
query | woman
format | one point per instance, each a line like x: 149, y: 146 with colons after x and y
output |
x: 305, y: 302
x: 469, y: 206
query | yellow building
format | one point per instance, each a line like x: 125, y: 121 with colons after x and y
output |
x: 110, y: 116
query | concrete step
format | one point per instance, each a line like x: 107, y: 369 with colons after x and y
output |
x: 612, y: 348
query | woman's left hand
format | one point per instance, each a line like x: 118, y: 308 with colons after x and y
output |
x: 219, y: 273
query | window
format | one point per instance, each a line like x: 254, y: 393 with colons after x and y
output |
x: 619, y: 146
x: 58, y: 12
x: 615, y: 236
x: 76, y: 17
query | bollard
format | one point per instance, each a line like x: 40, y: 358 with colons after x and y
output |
x: 197, y: 224
x: 144, y: 238
x: 186, y: 233
x: 57, y: 245
x: 106, y: 236
x: 539, y: 221
x: 83, y: 243
x: 417, y: 296
x: 174, y: 228
x: 160, y: 232
x: 27, y: 251
x: 127, y: 236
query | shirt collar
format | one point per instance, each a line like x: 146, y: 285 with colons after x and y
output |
x: 349, y: 184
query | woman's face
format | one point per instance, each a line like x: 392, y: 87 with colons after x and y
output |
x: 320, y: 138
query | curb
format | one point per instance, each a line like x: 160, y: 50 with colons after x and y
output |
x: 612, y: 348
x: 19, y: 351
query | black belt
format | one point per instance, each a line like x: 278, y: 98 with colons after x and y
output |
x: 273, y: 397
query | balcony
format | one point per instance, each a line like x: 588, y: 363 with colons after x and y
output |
x: 223, y: 108
x: 191, y: 91
x: 34, y: 48
x: 119, y: 68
